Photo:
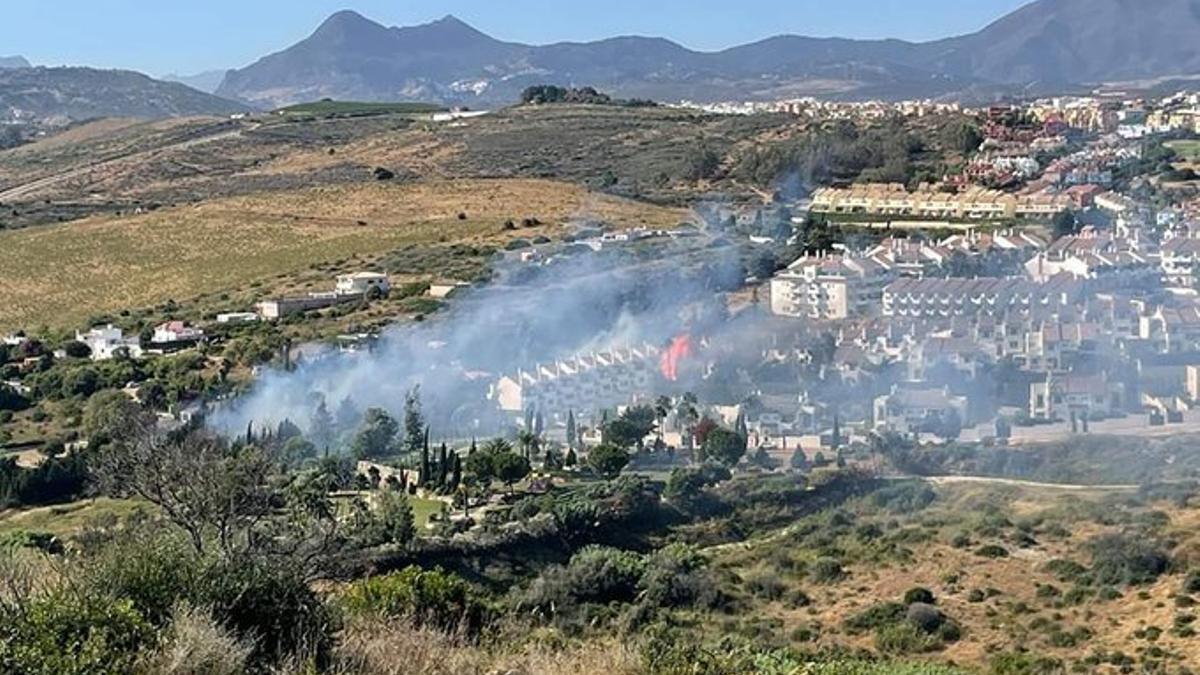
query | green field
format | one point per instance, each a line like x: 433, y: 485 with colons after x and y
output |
x: 66, y: 519
x: 359, y: 109
x: 1187, y: 150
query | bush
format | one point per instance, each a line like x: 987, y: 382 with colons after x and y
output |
x: 924, y: 616
x: 904, y: 638
x: 827, y: 571
x: 426, y: 597
x: 270, y: 605
x: 922, y: 595
x: 197, y: 645
x: 991, y: 551
x: 1065, y: 570
x: 876, y: 616
x: 72, y: 633
x: 594, y: 575
x: 1127, y: 559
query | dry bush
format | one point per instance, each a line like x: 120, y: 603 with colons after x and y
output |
x: 196, y: 645
x: 372, y: 647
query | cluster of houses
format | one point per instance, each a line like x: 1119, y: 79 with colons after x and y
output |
x: 1096, y: 325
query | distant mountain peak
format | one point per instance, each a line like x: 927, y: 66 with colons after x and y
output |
x: 346, y: 23
x: 14, y: 62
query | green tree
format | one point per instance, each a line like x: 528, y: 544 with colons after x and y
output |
x: 572, y: 431
x: 414, y: 420
x: 724, y: 446
x: 377, y: 435
x: 395, y: 517
x: 608, y: 460
x: 509, y: 468
x: 107, y: 416
x: 321, y: 428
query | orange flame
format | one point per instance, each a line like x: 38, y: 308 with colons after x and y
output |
x: 680, y: 349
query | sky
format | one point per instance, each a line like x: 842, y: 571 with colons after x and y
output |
x: 189, y: 36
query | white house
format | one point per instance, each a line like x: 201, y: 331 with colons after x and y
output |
x: 360, y: 283
x: 107, y: 341
x: 237, y: 317
x: 173, y: 332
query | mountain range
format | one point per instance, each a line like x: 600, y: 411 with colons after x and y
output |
x: 72, y: 93
x: 1046, y: 46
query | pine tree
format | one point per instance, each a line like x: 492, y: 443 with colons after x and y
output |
x: 414, y: 421
x: 250, y: 432
x: 321, y: 430
x: 571, y: 430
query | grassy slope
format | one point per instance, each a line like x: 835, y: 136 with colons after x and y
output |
x: 877, y: 573
x: 60, y: 275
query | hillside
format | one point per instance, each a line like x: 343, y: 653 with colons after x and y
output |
x: 86, y: 93
x: 1046, y: 45
x: 14, y: 62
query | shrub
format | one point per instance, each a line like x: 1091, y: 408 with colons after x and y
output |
x: 827, y: 571
x: 270, y: 605
x: 70, y: 633
x: 1021, y: 663
x: 1065, y: 570
x: 991, y: 551
x: 197, y: 645
x: 876, y: 616
x: 426, y: 597
x: 923, y: 595
x: 924, y: 616
x: 1127, y: 559
x: 904, y: 638
x: 596, y: 574
x: 1191, y: 583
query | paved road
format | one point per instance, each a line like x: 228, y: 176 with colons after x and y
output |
x: 986, y: 480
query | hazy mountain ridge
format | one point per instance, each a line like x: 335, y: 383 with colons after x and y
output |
x: 82, y: 93
x: 206, y: 81
x: 14, y: 62
x: 1049, y: 43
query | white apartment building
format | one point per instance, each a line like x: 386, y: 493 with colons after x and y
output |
x: 829, y: 287
x: 582, y: 383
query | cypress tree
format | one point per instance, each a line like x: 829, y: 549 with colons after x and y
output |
x: 571, y: 430
x: 455, y: 472
x: 425, y: 468
x: 443, y: 466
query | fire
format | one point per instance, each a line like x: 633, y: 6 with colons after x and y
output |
x: 680, y: 349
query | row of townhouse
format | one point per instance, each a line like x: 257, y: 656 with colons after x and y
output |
x: 581, y: 383
x: 961, y: 296
x: 974, y: 203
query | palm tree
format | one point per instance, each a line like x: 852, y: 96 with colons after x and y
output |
x: 662, y: 408
x: 529, y: 442
x: 497, y: 446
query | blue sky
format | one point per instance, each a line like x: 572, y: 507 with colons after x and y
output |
x: 187, y: 36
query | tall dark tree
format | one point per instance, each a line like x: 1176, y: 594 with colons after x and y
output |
x: 443, y: 465
x: 321, y: 429
x: 572, y: 437
x: 414, y: 421
x: 425, y: 460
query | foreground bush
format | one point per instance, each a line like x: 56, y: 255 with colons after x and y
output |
x: 433, y: 598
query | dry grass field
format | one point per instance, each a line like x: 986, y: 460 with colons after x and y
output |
x: 58, y: 276
x: 1002, y: 604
